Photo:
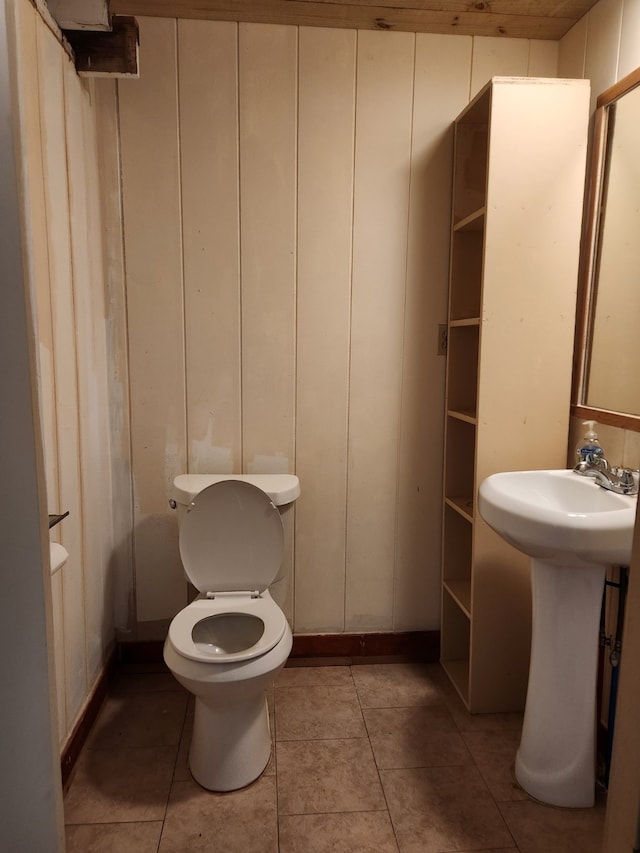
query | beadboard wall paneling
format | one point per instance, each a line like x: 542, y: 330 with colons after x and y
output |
x: 384, y: 102
x: 152, y: 214
x: 50, y: 69
x: 208, y: 92
x: 286, y: 200
x: 58, y: 144
x: 326, y: 81
x: 441, y: 85
x: 115, y: 318
x: 267, y: 85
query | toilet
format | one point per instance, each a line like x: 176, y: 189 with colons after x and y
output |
x: 227, y: 645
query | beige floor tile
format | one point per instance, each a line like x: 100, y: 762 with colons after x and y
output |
x: 310, y: 713
x: 111, y: 785
x: 398, y: 685
x: 314, y: 676
x: 545, y: 829
x: 467, y: 722
x: 494, y: 755
x: 140, y: 719
x: 126, y: 683
x: 356, y: 832
x: 243, y: 821
x: 181, y: 772
x: 316, y: 663
x: 327, y: 776
x: 443, y: 809
x: 424, y: 736
x: 114, y: 837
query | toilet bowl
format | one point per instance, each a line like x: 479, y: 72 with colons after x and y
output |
x: 228, y: 644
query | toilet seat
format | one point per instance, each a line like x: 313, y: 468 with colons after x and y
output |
x: 231, y: 544
x: 231, y: 539
x: 264, y: 609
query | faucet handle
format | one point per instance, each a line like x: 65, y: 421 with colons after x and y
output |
x: 629, y: 479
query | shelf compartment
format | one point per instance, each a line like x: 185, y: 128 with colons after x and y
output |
x: 455, y: 644
x: 460, y: 448
x: 462, y: 364
x: 471, y: 145
x: 457, y: 556
x: 463, y: 505
x: 473, y: 223
x: 466, y: 275
x: 460, y: 591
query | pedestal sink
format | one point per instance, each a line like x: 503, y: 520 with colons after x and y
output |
x: 572, y: 529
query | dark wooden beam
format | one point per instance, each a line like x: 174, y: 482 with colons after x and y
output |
x: 107, y: 54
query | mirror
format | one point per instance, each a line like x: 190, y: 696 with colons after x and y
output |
x: 607, y: 361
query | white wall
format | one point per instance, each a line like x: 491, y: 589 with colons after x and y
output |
x: 286, y: 207
x: 62, y: 122
x: 31, y: 788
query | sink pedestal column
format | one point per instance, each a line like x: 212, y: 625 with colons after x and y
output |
x: 556, y: 759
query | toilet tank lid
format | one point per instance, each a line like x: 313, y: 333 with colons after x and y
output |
x: 281, y: 488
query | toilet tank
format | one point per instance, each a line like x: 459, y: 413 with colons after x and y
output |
x: 283, y: 489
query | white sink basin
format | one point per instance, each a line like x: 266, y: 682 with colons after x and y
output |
x: 572, y: 529
x: 559, y: 516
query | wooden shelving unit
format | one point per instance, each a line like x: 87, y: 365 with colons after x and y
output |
x: 517, y: 204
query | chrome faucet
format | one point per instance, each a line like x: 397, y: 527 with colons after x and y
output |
x: 622, y: 481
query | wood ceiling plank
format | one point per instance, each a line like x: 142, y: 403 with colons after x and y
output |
x: 544, y: 20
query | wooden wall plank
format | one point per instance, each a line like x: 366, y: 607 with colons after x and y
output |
x: 27, y: 22
x: 381, y: 202
x: 50, y: 68
x: 152, y: 231
x: 543, y: 58
x: 93, y: 399
x: 267, y: 107
x: 325, y: 201
x: 603, y: 39
x: 629, y: 49
x: 442, y: 72
x: 268, y: 57
x: 210, y: 223
x: 110, y: 200
x: 494, y: 56
x: 572, y: 51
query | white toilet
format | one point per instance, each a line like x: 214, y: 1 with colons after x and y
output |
x: 228, y: 644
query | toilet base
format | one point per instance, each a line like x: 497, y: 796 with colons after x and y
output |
x: 231, y: 743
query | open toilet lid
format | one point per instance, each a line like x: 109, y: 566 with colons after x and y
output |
x: 231, y: 538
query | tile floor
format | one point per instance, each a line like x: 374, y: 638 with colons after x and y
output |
x: 374, y: 758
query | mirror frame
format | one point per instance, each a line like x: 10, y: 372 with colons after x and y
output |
x: 589, y: 258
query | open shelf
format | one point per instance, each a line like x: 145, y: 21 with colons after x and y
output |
x: 462, y: 380
x: 462, y: 505
x: 455, y: 643
x: 473, y: 222
x: 470, y: 181
x: 456, y: 567
x: 460, y: 591
x: 466, y: 275
x: 460, y: 441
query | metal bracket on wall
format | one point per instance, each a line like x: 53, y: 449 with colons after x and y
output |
x: 442, y: 338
